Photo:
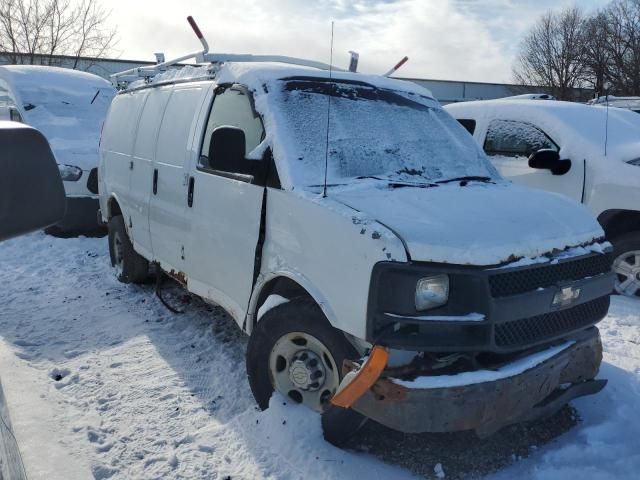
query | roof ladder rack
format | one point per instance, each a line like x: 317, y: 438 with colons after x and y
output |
x: 146, y: 72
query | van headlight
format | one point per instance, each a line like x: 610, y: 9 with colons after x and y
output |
x: 432, y: 292
x: 69, y: 173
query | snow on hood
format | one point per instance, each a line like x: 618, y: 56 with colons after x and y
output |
x: 58, y: 102
x: 478, y: 224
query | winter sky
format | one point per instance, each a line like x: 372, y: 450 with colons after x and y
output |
x: 473, y: 40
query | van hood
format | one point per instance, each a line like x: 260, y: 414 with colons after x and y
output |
x: 477, y: 224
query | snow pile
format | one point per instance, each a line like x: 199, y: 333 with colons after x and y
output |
x: 67, y: 106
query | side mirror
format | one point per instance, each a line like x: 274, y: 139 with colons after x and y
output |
x: 549, y: 160
x: 226, y: 148
x: 227, y: 153
x: 31, y: 191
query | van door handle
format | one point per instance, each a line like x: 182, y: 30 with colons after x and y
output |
x: 192, y: 182
x: 155, y: 181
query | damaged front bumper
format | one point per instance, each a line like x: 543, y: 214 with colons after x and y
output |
x: 487, y: 406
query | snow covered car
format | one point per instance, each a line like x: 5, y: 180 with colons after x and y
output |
x: 628, y: 103
x: 581, y: 151
x: 379, y: 262
x: 68, y: 107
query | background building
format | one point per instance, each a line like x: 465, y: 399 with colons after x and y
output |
x: 446, y: 91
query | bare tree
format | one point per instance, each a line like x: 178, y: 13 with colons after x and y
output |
x: 552, y: 54
x: 42, y: 29
x: 597, y: 59
x: 623, y: 46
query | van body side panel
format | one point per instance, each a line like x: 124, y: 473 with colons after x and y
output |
x: 327, y: 245
x: 142, y: 168
x: 225, y: 227
x: 169, y: 225
x: 116, y: 147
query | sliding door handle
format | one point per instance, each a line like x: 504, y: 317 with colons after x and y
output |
x: 155, y: 181
x: 192, y: 182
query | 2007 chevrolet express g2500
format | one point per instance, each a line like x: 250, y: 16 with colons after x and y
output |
x: 422, y: 291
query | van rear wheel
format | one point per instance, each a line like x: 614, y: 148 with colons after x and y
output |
x: 130, y: 267
x: 295, y: 351
x: 626, y: 264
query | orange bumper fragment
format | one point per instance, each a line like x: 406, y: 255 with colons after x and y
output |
x: 364, y: 378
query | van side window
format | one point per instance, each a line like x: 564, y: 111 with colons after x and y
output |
x: 173, y: 136
x: 232, y: 107
x: 468, y: 124
x: 514, y: 139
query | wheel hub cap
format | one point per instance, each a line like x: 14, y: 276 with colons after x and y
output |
x: 306, y: 371
x: 303, y: 369
x: 627, y: 270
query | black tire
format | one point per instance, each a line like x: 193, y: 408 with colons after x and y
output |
x: 622, y: 245
x: 132, y: 267
x: 300, y: 315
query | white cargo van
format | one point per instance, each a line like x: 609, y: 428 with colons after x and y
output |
x: 379, y: 263
x: 590, y: 154
x: 68, y: 107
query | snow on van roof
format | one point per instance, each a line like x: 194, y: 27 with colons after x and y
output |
x: 67, y: 106
x: 576, y: 121
x: 255, y: 74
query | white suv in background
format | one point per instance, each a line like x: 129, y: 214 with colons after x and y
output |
x: 590, y: 154
x: 68, y: 107
x: 390, y: 236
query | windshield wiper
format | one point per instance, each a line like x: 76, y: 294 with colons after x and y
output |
x: 464, y: 180
x: 396, y: 184
x: 414, y: 185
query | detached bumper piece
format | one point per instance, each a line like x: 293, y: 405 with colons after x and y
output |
x: 487, y: 406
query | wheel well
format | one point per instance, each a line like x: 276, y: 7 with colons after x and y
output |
x: 114, y: 208
x: 618, y: 222
x: 281, y: 286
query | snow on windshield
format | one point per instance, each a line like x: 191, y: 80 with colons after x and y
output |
x: 373, y: 132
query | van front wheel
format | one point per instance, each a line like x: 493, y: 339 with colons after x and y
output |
x: 130, y: 267
x: 295, y: 351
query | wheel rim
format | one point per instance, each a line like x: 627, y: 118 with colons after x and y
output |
x: 302, y: 369
x: 118, y: 253
x: 627, y: 270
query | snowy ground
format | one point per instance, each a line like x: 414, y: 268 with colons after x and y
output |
x: 104, y: 382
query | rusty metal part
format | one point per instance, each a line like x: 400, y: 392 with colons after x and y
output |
x: 358, y: 383
x: 179, y: 277
x: 489, y: 406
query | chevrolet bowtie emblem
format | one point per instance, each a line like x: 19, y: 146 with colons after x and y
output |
x: 566, y: 296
